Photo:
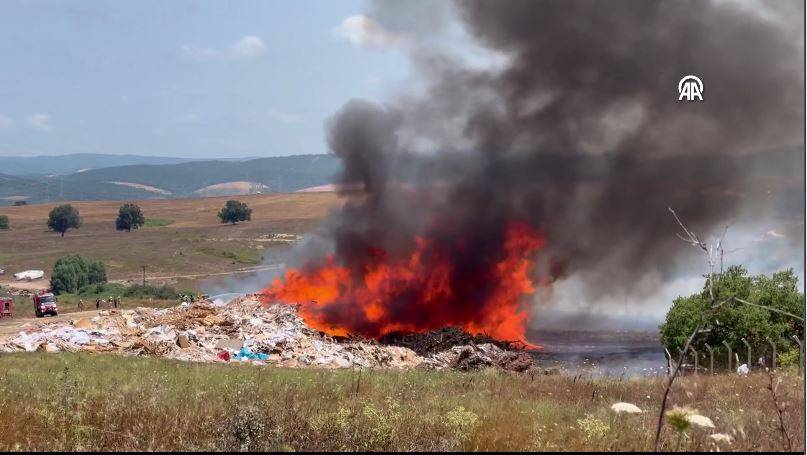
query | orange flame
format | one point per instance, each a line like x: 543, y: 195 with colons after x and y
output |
x: 416, y: 294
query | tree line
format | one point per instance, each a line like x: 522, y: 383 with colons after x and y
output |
x: 66, y: 217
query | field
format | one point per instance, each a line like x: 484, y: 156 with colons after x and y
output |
x: 184, y: 238
x: 104, y: 402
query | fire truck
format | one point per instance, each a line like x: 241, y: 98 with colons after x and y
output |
x: 6, y: 307
x: 45, y: 303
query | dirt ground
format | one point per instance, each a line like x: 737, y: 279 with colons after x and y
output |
x: 187, y: 241
x: 10, y: 326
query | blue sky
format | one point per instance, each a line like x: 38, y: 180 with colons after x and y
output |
x: 183, y: 78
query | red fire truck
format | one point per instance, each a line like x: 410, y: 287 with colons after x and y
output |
x: 45, y: 303
x: 6, y: 307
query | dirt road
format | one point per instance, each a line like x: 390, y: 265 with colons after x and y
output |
x: 10, y: 326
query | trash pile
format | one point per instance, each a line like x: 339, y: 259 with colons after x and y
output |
x: 245, y: 331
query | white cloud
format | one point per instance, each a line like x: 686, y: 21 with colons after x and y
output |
x: 362, y: 30
x: 39, y: 121
x: 6, y: 123
x: 249, y: 46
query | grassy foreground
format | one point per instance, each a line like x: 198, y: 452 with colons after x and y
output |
x: 105, y: 402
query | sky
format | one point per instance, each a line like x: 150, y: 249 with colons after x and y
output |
x: 185, y: 78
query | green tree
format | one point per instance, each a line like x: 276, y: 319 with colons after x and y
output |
x: 234, y: 212
x: 735, y: 320
x: 64, y: 217
x: 73, y: 272
x: 129, y: 217
x: 3, y: 221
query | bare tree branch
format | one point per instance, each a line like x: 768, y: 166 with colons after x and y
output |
x: 780, y: 409
x: 769, y: 308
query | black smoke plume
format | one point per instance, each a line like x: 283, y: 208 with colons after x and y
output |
x: 579, y: 133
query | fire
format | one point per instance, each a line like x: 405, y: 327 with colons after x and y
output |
x: 425, y: 290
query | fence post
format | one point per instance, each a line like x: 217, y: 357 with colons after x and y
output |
x: 773, y: 353
x: 711, y: 359
x: 748, y: 347
x: 801, y: 353
x: 729, y: 349
x: 669, y: 362
x: 695, y: 354
x: 684, y: 357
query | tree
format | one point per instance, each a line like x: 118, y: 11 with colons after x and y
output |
x: 129, y: 217
x: 64, y: 217
x: 3, y: 222
x: 731, y: 323
x: 234, y: 212
x: 73, y: 272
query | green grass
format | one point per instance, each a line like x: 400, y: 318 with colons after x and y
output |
x: 106, y: 402
x: 157, y: 222
x: 249, y: 257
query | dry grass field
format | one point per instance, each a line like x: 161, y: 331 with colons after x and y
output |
x: 105, y: 402
x: 184, y: 236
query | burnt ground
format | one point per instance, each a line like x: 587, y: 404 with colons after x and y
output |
x: 601, y: 353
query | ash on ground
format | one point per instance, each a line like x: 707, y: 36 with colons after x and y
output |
x: 243, y: 330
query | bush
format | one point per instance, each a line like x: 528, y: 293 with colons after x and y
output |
x: 64, y: 217
x: 129, y: 217
x: 234, y: 212
x: 19, y: 203
x: 788, y: 359
x: 734, y: 321
x: 73, y: 272
x: 3, y: 222
x: 136, y: 291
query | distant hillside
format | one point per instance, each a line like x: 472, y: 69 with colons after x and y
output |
x: 188, y: 179
x: 68, y: 164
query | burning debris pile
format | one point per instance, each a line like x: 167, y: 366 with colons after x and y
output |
x: 245, y: 330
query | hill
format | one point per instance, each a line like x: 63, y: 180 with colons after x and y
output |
x: 149, y: 181
x: 76, y: 162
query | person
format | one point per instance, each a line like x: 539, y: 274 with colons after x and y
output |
x: 80, y: 305
x: 115, y: 301
x: 97, y: 303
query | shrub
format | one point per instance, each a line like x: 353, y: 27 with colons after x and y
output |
x: 73, y: 272
x: 3, y: 222
x: 734, y: 320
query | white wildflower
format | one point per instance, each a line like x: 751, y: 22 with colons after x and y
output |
x: 721, y: 437
x: 625, y: 407
x: 699, y: 420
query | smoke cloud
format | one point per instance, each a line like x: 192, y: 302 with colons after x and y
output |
x: 578, y: 133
